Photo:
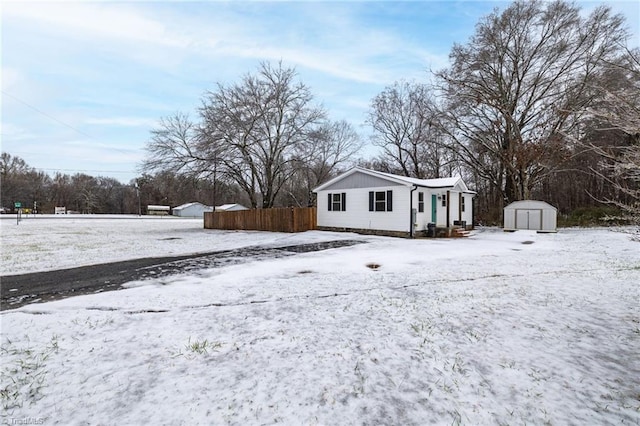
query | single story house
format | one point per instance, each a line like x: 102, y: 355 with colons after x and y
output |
x: 230, y: 208
x: 368, y: 201
x: 530, y: 214
x: 194, y: 209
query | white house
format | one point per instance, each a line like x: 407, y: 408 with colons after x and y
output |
x: 530, y: 214
x: 191, y: 210
x: 230, y: 208
x: 368, y: 201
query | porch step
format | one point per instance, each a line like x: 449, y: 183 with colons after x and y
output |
x: 460, y: 233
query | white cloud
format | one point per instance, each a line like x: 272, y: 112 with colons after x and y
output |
x: 11, y: 132
x: 10, y: 78
x: 122, y: 121
x: 93, y: 20
x: 340, y: 45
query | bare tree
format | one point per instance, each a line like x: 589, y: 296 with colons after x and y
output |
x: 181, y: 147
x: 619, y: 90
x: 176, y: 146
x: 403, y: 118
x: 263, y: 123
x: 619, y: 109
x: 521, y: 84
x: 330, y: 147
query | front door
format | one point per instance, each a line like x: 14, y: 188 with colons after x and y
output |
x: 434, y: 206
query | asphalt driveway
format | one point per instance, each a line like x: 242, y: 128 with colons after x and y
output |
x: 38, y: 287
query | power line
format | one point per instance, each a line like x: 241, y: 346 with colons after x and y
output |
x: 47, y: 115
x: 39, y: 111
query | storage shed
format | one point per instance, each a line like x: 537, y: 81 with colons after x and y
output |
x: 530, y: 214
x: 191, y: 210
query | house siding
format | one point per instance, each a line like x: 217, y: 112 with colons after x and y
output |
x: 357, y: 214
x: 360, y: 180
x: 467, y: 214
x: 454, y: 207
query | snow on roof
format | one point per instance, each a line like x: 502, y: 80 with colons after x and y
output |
x: 448, y: 182
x: 153, y: 207
x: 226, y: 206
x: 184, y: 206
x: 229, y: 206
x: 530, y: 204
x: 429, y: 183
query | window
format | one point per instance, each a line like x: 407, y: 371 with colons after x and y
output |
x: 420, y: 202
x: 337, y: 202
x: 461, y: 202
x: 444, y: 200
x: 381, y: 201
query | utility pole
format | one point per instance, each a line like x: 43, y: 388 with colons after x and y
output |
x: 138, y: 194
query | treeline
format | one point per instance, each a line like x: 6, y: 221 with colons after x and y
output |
x: 98, y: 195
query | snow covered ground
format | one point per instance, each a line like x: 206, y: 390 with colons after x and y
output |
x: 495, y: 329
x: 46, y: 242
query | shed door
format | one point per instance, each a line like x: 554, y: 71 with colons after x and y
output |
x: 529, y: 219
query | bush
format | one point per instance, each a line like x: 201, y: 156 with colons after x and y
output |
x: 593, y: 216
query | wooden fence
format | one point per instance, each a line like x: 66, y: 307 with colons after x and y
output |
x: 290, y: 219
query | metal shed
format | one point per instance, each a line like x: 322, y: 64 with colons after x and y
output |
x: 530, y: 214
x: 194, y: 209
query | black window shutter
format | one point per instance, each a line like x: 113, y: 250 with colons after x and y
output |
x: 371, y: 200
x: 389, y: 201
x: 329, y: 202
x: 344, y: 201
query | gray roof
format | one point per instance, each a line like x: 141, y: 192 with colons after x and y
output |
x: 449, y: 182
x: 195, y: 203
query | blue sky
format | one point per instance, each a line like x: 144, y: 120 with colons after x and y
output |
x: 83, y: 83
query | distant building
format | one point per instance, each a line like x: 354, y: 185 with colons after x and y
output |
x: 230, y: 208
x: 158, y: 210
x: 194, y: 209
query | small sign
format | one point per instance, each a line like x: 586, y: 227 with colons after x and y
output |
x: 17, y: 205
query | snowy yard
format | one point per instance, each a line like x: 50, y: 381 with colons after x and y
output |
x: 498, y: 328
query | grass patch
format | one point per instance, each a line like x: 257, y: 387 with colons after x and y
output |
x: 23, y: 374
x: 202, y: 347
x: 373, y: 266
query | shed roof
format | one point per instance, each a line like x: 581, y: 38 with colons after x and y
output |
x: 195, y: 203
x: 230, y: 206
x: 530, y: 204
x: 449, y: 182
